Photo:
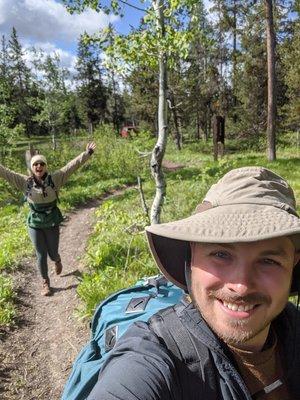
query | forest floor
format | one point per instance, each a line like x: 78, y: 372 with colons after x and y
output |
x: 36, y: 355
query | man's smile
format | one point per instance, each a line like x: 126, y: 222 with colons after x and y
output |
x: 238, y: 307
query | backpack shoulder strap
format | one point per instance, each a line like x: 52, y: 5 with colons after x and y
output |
x: 168, y: 326
x: 49, y: 182
x: 29, y: 185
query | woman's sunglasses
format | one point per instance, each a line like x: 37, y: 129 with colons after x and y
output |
x: 42, y: 164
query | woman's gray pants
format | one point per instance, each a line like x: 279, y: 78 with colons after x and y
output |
x: 45, y: 241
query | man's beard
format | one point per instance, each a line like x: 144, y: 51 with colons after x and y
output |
x: 239, y: 330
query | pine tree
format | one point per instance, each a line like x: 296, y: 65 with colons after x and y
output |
x: 290, y: 55
x: 142, y: 96
x: 70, y: 119
x: 91, y: 90
x: 8, y: 130
x: 52, y: 94
x: 202, y: 75
x: 23, y: 88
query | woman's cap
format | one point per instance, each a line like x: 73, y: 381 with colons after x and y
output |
x: 38, y: 158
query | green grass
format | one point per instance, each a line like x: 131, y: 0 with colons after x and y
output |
x: 7, y: 309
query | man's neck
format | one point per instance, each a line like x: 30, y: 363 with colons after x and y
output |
x: 255, y: 344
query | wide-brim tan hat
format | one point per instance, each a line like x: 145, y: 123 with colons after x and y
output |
x: 246, y: 205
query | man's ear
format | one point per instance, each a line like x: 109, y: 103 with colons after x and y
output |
x: 296, y: 258
x: 192, y: 245
x: 295, y: 287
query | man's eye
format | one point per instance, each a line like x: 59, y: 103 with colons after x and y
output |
x: 220, y: 254
x: 270, y: 261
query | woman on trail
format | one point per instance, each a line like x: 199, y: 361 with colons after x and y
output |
x: 41, y: 192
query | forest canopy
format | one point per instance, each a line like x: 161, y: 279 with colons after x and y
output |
x: 222, y: 71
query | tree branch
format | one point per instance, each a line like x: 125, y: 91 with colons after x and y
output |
x: 131, y: 5
x: 143, y: 153
x: 143, y: 201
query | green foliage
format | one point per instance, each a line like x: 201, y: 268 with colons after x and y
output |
x: 290, y: 52
x: 143, y: 46
x: 7, y: 311
x: 52, y: 98
x: 8, y: 133
x: 23, y: 88
x: 92, y: 92
x: 15, y: 243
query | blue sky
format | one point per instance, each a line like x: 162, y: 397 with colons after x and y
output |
x: 47, y: 25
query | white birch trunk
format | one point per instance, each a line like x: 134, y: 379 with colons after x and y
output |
x: 160, y: 146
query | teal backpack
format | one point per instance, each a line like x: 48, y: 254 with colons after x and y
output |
x: 111, y: 319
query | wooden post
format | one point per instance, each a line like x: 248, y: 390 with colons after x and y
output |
x: 215, y: 137
x: 218, y: 136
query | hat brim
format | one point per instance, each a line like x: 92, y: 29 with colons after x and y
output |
x: 170, y: 242
x: 170, y: 256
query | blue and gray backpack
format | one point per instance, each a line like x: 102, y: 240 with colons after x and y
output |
x: 111, y: 319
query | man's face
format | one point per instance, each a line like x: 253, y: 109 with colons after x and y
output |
x: 241, y: 287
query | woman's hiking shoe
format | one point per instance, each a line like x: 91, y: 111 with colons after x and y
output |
x: 58, y: 266
x: 46, y: 290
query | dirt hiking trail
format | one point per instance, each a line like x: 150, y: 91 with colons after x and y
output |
x: 36, y: 356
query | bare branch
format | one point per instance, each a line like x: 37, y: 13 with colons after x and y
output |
x: 175, y: 105
x: 131, y: 5
x: 143, y: 201
x: 143, y: 153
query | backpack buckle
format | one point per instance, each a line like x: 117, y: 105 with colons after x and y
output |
x: 137, y: 304
x: 111, y: 337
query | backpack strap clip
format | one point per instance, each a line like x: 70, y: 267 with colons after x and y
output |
x: 111, y: 335
x: 157, y: 281
x: 137, y: 304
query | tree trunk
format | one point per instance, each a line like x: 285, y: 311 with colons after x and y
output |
x: 234, y: 61
x: 209, y: 121
x: 53, y: 140
x: 271, y: 122
x: 215, y: 138
x: 52, y: 134
x: 91, y: 129
x: 197, y: 136
x: 177, y: 123
x: 160, y: 146
x: 116, y: 110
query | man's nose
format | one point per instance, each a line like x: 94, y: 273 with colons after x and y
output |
x: 241, y: 279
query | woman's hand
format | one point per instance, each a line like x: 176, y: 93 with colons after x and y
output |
x: 90, y: 147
